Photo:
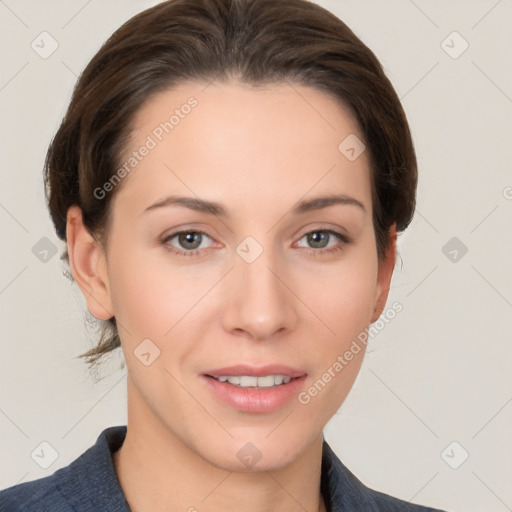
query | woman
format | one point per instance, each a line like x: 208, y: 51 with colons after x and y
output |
x: 230, y: 178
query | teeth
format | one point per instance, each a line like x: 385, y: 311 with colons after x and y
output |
x: 246, y: 381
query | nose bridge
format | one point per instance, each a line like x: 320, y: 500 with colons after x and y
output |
x: 259, y: 303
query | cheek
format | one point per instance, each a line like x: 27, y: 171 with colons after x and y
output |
x: 150, y: 294
x: 143, y: 299
x: 344, y: 303
x: 343, y: 296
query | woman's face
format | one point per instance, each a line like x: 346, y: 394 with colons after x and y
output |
x: 271, y: 278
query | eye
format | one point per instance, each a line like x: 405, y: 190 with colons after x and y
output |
x: 193, y: 242
x: 319, y: 239
x: 190, y: 243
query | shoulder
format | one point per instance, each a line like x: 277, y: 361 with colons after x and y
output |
x: 345, y: 492
x: 88, y: 484
x: 35, y: 496
x: 386, y: 503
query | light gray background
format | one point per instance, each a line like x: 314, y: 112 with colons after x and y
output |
x: 438, y: 373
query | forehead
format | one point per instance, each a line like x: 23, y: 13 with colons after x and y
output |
x: 228, y: 141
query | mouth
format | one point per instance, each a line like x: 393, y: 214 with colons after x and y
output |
x: 255, y: 389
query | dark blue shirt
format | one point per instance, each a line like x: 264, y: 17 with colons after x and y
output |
x: 90, y: 484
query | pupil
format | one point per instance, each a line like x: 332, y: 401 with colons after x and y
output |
x: 317, y: 237
x: 189, y: 238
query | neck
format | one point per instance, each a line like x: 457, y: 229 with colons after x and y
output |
x: 159, y: 472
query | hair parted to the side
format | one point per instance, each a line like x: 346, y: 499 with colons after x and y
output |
x: 256, y: 42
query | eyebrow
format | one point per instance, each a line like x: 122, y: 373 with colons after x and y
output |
x: 205, y: 206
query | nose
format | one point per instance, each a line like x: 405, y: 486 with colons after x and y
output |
x: 259, y: 302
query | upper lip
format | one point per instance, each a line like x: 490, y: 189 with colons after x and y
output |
x: 256, y: 371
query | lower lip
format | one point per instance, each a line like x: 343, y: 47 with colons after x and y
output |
x: 255, y: 399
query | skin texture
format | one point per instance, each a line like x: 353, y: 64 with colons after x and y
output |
x: 257, y: 151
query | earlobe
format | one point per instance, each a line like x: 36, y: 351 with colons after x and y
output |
x: 88, y: 265
x: 385, y: 274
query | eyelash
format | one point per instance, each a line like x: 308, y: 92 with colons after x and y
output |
x: 310, y: 251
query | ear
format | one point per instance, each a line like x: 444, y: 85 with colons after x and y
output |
x: 385, y: 273
x: 88, y: 265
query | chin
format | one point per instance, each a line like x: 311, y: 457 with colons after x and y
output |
x: 255, y: 453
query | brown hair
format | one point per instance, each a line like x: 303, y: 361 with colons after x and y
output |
x: 255, y: 41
